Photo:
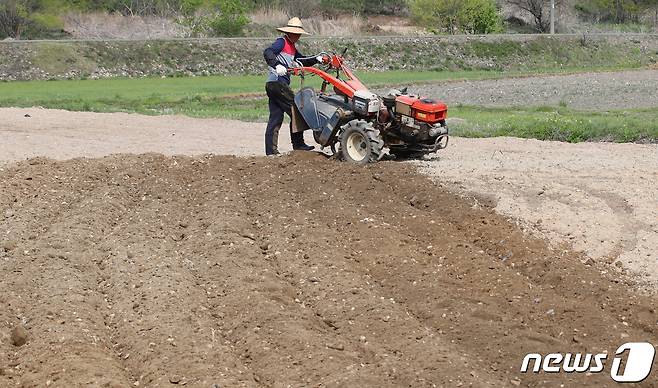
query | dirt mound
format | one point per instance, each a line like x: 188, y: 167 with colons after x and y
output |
x: 150, y: 270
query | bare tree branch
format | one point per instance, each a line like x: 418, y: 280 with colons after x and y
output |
x: 538, y: 9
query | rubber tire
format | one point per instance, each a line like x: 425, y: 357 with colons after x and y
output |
x: 373, y: 144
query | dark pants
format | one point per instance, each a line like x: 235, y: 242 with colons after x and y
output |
x: 280, y: 101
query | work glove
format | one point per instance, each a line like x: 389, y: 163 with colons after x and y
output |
x: 281, y: 70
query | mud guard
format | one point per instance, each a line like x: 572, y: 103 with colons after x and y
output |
x: 311, y: 112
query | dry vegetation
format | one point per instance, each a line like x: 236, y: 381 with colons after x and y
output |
x: 163, y: 19
x: 101, y: 25
x: 263, y: 22
x: 342, y: 25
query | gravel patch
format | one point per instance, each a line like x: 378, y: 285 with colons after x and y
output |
x: 588, y: 91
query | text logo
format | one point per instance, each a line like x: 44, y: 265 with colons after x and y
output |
x: 632, y: 362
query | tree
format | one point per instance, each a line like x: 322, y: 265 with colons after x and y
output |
x: 385, y: 7
x: 479, y: 17
x: 13, y: 19
x: 455, y: 16
x: 215, y: 17
x: 335, y: 7
x: 436, y: 14
x: 20, y: 19
x: 651, y: 7
x: 616, y: 11
x: 540, y: 10
x: 229, y: 18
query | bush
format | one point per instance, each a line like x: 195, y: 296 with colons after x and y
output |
x: 360, y: 7
x: 30, y: 19
x: 12, y: 19
x: 385, y: 7
x: 457, y: 16
x: 215, y: 17
x: 336, y: 7
x: 617, y: 11
x: 189, y: 7
x: 300, y: 8
x: 479, y: 17
x: 228, y: 23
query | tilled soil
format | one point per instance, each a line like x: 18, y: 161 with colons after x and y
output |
x: 223, y: 271
x: 600, y: 198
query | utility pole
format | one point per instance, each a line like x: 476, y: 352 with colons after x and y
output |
x: 552, y: 17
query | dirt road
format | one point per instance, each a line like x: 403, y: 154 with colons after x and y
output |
x: 223, y: 271
x: 601, y: 198
x: 63, y: 135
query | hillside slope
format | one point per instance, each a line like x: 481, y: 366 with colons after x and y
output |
x: 98, y: 59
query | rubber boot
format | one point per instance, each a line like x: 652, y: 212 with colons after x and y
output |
x: 298, y: 143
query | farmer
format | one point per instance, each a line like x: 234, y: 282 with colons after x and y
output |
x: 280, y: 57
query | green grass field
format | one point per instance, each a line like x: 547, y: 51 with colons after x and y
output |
x: 557, y: 123
x: 242, y: 98
x: 173, y: 89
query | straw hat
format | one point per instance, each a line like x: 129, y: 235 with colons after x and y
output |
x: 294, y: 27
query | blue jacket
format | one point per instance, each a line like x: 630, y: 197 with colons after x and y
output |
x: 283, y: 52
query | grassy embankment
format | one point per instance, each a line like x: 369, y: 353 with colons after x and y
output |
x: 241, y: 97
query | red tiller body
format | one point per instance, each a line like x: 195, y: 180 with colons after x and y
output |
x: 363, y: 124
x: 346, y: 87
x: 423, y: 109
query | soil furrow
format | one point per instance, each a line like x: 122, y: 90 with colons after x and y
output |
x: 288, y: 271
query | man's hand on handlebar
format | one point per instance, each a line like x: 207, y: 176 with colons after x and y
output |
x: 281, y: 70
x: 323, y: 58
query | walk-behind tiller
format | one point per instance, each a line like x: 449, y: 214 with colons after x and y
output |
x: 361, y: 123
